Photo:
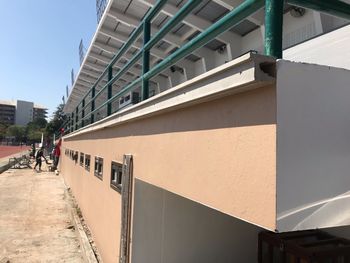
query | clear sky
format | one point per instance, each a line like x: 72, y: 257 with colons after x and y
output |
x: 39, y: 46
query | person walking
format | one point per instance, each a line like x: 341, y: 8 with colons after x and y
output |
x: 39, y: 154
x: 56, y: 154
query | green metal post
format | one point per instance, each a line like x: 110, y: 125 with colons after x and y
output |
x: 172, y: 22
x: 82, y: 112
x: 273, y: 28
x: 72, y: 123
x: 232, y: 18
x: 76, y: 117
x: 145, y: 58
x: 110, y: 76
x: 92, y: 104
x: 68, y: 124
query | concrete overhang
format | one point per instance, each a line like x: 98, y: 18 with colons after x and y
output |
x: 247, y: 72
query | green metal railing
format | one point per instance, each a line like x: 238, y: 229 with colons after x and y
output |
x: 86, y: 110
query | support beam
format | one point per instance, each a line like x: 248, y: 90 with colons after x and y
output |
x: 273, y: 28
x: 170, y: 38
x: 120, y: 37
x: 166, y: 74
x: 113, y: 50
x: 201, y: 25
x: 109, y: 91
x: 257, y: 18
x: 94, y: 66
x: 145, y: 59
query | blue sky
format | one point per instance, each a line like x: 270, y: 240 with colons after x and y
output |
x: 39, y: 46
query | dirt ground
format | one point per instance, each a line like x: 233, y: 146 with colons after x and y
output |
x: 35, y: 220
x: 10, y: 150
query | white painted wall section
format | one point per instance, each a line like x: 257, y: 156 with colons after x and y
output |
x: 168, y: 228
x: 313, y: 146
x: 331, y: 49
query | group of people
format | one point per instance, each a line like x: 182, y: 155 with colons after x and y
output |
x: 56, y: 153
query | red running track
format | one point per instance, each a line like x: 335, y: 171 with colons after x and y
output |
x: 10, y: 150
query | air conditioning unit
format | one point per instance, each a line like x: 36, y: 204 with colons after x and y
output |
x: 129, y: 99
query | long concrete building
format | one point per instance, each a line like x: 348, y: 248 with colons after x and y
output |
x: 214, y: 131
x: 20, y: 112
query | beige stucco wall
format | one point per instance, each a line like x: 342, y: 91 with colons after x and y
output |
x: 220, y: 153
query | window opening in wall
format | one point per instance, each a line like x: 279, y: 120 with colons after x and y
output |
x: 98, y: 167
x: 116, y: 176
x: 87, y: 162
x: 81, y: 160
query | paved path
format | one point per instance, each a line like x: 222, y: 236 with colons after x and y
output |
x: 35, y: 222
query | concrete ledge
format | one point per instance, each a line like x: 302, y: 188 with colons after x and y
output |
x: 5, y: 167
x: 87, y: 251
x: 250, y: 71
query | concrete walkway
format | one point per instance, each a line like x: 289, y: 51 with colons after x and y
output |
x: 35, y: 219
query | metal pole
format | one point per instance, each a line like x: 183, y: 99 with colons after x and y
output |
x: 145, y: 58
x: 232, y: 18
x: 109, y: 105
x: 76, y: 118
x: 274, y: 28
x: 82, y: 112
x: 68, y: 124
x: 92, y: 104
x: 72, y: 123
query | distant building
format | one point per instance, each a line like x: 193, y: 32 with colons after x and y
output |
x: 7, y: 112
x: 39, y: 112
x: 20, y: 112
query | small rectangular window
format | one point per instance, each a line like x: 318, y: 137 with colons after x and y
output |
x: 98, y: 167
x: 87, y: 162
x: 81, y: 160
x: 116, y: 176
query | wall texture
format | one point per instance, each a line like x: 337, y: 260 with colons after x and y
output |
x: 220, y: 153
x: 313, y: 146
x: 168, y: 228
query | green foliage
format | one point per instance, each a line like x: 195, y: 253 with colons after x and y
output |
x: 39, y: 123
x: 34, y: 130
x: 29, y: 133
x: 17, y: 131
x: 34, y: 135
x: 57, y: 121
x: 3, y: 130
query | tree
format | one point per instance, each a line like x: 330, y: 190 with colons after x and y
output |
x: 39, y: 123
x: 59, y: 117
x: 34, y: 135
x: 17, y: 131
x: 3, y: 130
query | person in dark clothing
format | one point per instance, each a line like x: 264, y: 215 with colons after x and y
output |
x: 39, y: 154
